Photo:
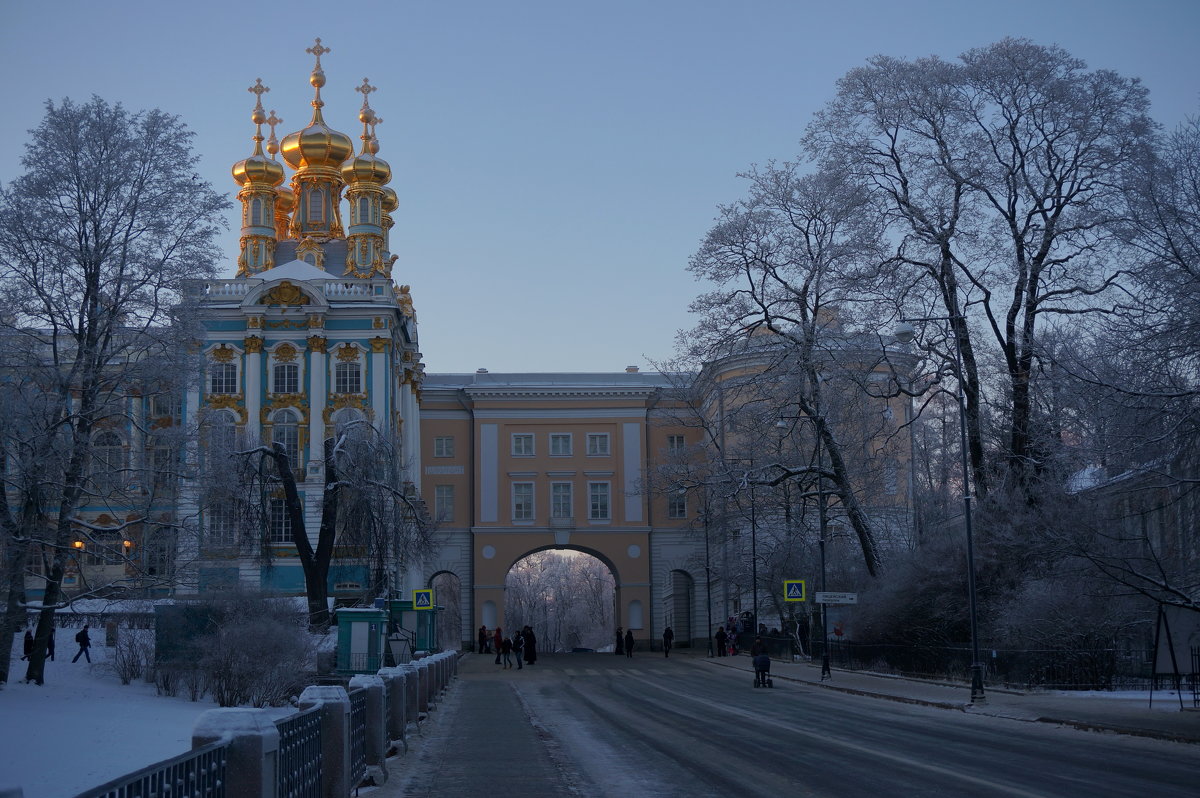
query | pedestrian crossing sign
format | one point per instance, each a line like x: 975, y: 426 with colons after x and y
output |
x: 422, y: 599
x: 793, y: 590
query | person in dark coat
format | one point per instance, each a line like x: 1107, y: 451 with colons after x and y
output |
x: 518, y: 646
x: 722, y: 640
x: 50, y: 646
x: 498, y: 642
x: 483, y: 640
x: 668, y: 641
x: 27, y: 645
x: 85, y: 642
x: 506, y: 652
x: 620, y: 643
x: 628, y: 642
x: 530, y: 645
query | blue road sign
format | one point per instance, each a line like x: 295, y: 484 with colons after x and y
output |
x: 793, y: 590
x: 422, y: 599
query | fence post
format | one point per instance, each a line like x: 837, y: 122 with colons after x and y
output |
x: 334, y: 705
x: 412, y: 692
x: 397, y: 719
x: 250, y: 765
x: 377, y: 734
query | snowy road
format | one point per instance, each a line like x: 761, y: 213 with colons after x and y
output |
x: 646, y: 726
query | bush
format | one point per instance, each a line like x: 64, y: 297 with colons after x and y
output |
x: 132, y: 654
x: 259, y: 653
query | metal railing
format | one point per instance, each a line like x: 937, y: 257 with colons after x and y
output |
x: 200, y: 773
x: 358, y: 736
x: 299, y: 774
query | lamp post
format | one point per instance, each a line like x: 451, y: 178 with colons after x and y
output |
x: 753, y: 539
x: 708, y: 576
x: 905, y: 333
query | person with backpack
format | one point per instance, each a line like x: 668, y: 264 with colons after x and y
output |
x: 85, y: 642
x: 668, y: 641
x: 518, y: 645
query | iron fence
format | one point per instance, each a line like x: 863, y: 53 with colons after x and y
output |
x: 200, y: 773
x: 299, y: 773
x: 358, y: 736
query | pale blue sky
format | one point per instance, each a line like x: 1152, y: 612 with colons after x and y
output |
x: 556, y: 162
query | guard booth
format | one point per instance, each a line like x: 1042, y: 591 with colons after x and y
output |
x: 411, y: 630
x: 362, y: 632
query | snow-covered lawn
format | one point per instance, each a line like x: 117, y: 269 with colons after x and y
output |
x: 83, y: 728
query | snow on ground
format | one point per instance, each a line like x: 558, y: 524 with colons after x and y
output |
x: 83, y: 727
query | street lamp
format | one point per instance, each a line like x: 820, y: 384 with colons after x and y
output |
x: 905, y: 333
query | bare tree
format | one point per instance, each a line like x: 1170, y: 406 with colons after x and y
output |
x: 95, y: 239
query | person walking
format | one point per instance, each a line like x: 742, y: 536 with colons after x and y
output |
x: 722, y: 640
x: 518, y: 647
x: 85, y: 642
x: 498, y: 642
x: 668, y: 641
x: 483, y: 640
x: 629, y: 643
x: 620, y: 649
x: 530, y: 645
x: 506, y: 652
x: 27, y: 645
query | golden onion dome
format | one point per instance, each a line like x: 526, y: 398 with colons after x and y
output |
x: 285, y: 199
x: 318, y: 144
x: 390, y: 200
x: 258, y: 169
x: 366, y: 166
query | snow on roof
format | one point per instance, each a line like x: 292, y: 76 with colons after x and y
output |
x: 295, y: 270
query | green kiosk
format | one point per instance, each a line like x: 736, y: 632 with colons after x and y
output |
x: 392, y: 632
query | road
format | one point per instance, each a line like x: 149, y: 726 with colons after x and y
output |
x: 601, y: 725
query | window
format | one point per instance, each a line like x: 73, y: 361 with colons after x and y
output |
x: 597, y: 443
x: 560, y: 444
x: 256, y: 213
x: 443, y: 446
x: 221, y: 529
x: 316, y: 205
x: 164, y: 405
x: 675, y: 443
x: 522, y: 496
x: 347, y: 422
x: 279, y: 523
x: 364, y: 211
x: 108, y: 461
x: 161, y: 464
x: 286, y: 432
x: 220, y: 431
x: 677, y: 506
x: 561, y: 500
x: 598, y: 509
x: 443, y: 503
x: 522, y: 445
x: 287, y: 378
x: 347, y: 378
x: 222, y: 378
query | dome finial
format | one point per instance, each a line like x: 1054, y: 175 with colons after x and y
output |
x: 258, y: 116
x: 317, y: 80
x: 365, y: 115
x: 272, y: 142
x: 375, y: 139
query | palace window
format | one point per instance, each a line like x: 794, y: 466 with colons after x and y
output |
x: 561, y: 500
x: 285, y: 431
x: 443, y: 503
x: 522, y: 496
x: 522, y: 444
x: 677, y: 507
x: 220, y: 524
x: 347, y: 378
x: 286, y: 378
x: 598, y: 501
x: 675, y: 443
x: 108, y: 461
x: 560, y: 444
x: 279, y: 523
x: 222, y: 378
x: 220, y: 431
x: 443, y: 446
x: 597, y: 444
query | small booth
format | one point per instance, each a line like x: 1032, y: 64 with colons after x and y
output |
x: 413, y: 629
x: 362, y: 632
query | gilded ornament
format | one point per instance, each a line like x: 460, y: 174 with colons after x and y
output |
x: 287, y: 324
x: 285, y: 353
x: 379, y: 344
x: 254, y: 322
x: 347, y: 353
x: 223, y: 354
x: 316, y: 320
x: 253, y: 345
x: 379, y: 323
x: 227, y: 401
x: 316, y: 343
x: 340, y: 401
x: 285, y: 294
x: 299, y: 401
x: 311, y: 247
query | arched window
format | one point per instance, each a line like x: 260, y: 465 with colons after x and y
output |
x: 256, y: 212
x: 286, y: 378
x: 346, y: 419
x: 364, y: 210
x: 285, y: 431
x: 315, y: 211
x: 108, y: 461
x: 347, y: 378
x: 220, y: 431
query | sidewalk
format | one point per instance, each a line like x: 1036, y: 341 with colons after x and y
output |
x: 1097, y: 712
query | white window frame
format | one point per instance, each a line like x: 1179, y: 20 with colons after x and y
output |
x: 523, y: 507
x: 677, y: 506
x: 598, y: 444
x: 342, y: 372
x: 599, y: 501
x: 556, y: 447
x: 524, y: 437
x: 275, y: 367
x: 443, y: 503
x: 279, y: 523
x: 222, y: 376
x: 443, y: 446
x: 288, y: 419
x: 220, y: 524
x: 560, y: 509
x: 675, y: 443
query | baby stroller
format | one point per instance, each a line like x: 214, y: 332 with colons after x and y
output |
x: 762, y: 671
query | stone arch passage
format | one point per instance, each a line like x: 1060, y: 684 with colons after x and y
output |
x: 447, y: 596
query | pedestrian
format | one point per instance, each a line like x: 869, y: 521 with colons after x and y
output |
x: 85, y: 642
x: 629, y: 643
x: 668, y: 641
x: 483, y: 640
x: 530, y: 645
x: 506, y: 652
x: 722, y: 640
x: 50, y: 645
x: 620, y: 643
x: 27, y: 645
x: 498, y: 642
x: 518, y: 646
x: 761, y: 661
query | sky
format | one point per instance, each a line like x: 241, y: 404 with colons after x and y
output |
x: 557, y: 163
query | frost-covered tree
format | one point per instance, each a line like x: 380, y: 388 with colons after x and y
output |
x: 95, y: 239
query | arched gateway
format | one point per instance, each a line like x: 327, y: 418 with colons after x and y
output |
x: 513, y: 464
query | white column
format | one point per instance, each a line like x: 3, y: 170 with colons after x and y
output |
x: 379, y: 360
x: 413, y: 424
x: 318, y: 383
x: 252, y: 379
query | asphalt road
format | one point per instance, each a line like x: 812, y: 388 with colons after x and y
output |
x: 602, y: 725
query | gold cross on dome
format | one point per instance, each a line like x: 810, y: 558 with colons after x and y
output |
x: 258, y: 89
x: 273, y: 120
x: 318, y: 51
x: 365, y: 89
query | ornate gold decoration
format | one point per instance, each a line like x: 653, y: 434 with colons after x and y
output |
x: 297, y: 400
x: 379, y: 323
x: 253, y: 344
x: 286, y: 324
x: 285, y: 294
x: 404, y: 299
x: 285, y: 353
x: 317, y: 343
x: 272, y: 142
x: 254, y: 322
x: 316, y: 320
x: 310, y: 246
x: 227, y: 401
x: 338, y: 401
x: 223, y: 354
x: 347, y: 353
x: 407, y: 356
x: 380, y: 344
